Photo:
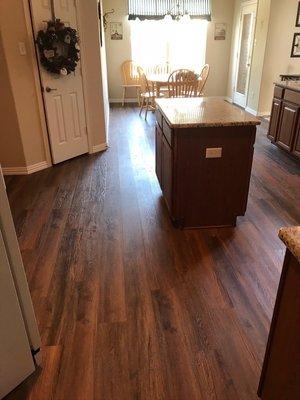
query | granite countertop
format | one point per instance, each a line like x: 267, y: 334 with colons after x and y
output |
x: 293, y: 85
x: 291, y: 238
x: 196, y: 112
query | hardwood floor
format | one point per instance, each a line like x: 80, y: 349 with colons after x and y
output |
x: 130, y: 308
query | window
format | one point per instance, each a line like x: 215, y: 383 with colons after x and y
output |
x: 157, y: 9
x: 179, y: 44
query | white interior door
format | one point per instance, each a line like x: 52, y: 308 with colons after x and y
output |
x: 63, y: 95
x: 16, y: 362
x: 244, y: 56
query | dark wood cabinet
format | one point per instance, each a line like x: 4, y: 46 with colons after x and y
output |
x: 296, y: 146
x: 280, y: 378
x: 195, y: 168
x: 287, y: 125
x: 158, y: 153
x: 275, y: 114
x: 284, y: 120
x: 167, y: 173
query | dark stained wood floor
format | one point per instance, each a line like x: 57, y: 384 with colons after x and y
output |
x: 130, y: 308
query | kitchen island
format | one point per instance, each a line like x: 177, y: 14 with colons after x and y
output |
x: 204, y: 152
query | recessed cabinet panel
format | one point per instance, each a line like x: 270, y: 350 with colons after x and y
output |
x: 296, y: 147
x: 288, y: 121
x: 158, y: 154
x: 167, y: 173
x: 276, y: 107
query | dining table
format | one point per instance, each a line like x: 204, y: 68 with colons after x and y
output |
x: 158, y: 81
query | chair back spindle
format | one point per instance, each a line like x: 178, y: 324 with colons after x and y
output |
x: 182, y: 83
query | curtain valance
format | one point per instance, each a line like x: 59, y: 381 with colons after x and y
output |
x: 158, y: 9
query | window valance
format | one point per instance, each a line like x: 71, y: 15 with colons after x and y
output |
x: 158, y: 9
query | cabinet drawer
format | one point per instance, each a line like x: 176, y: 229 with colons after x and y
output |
x: 278, y: 92
x: 167, y: 131
x: 159, y: 118
x: 293, y: 97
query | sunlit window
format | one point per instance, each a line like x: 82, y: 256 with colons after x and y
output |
x: 179, y: 44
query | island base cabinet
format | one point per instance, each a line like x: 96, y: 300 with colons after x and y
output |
x: 280, y: 378
x: 158, y: 153
x: 163, y: 167
x: 201, y: 191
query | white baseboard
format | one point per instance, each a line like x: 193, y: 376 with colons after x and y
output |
x: 99, y: 147
x: 264, y: 114
x: 229, y: 99
x: 30, y: 169
x: 251, y: 111
x: 129, y: 100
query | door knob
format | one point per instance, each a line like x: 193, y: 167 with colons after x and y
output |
x: 49, y: 89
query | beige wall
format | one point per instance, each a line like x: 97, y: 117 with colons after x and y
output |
x: 217, y: 52
x: 11, y: 148
x: 261, y: 31
x: 278, y: 50
x: 96, y: 97
x: 20, y: 71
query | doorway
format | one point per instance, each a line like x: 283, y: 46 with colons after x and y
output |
x: 62, y: 95
x: 245, y: 50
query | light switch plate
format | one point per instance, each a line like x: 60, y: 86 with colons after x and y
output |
x: 213, y: 152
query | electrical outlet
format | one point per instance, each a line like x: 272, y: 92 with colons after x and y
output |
x: 22, y: 48
x: 214, y: 152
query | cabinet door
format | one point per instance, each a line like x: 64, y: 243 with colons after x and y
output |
x: 275, y: 113
x: 296, y: 147
x: 288, y: 121
x: 158, y: 154
x: 167, y: 172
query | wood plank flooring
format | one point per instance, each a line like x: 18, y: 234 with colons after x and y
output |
x: 130, y: 308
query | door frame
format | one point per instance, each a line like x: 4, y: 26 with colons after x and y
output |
x: 237, y: 58
x: 38, y: 83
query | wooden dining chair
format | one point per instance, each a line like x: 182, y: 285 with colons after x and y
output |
x: 182, y: 83
x: 130, y: 79
x: 203, y: 79
x: 147, y: 94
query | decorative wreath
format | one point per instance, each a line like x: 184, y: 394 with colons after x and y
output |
x: 58, y: 48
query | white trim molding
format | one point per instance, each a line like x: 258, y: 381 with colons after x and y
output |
x: 251, y: 111
x: 99, y: 147
x: 128, y: 100
x: 30, y: 169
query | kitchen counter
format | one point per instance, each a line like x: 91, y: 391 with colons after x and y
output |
x: 291, y: 238
x: 280, y: 373
x: 203, y: 112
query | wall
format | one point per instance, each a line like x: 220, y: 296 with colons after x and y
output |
x: 95, y: 75
x: 261, y: 32
x: 217, y: 52
x: 11, y: 148
x: 279, y: 45
x: 21, y: 77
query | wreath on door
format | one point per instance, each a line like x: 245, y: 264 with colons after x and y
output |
x: 58, y: 48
